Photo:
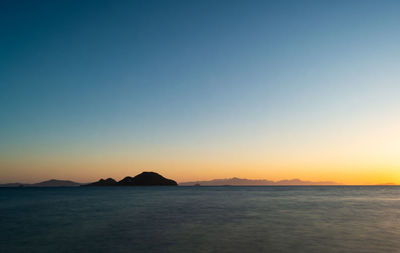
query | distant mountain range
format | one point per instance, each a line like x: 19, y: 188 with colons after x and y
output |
x: 254, y: 182
x: 48, y: 183
x: 152, y: 178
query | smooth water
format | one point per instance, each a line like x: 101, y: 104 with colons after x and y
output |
x: 200, y: 219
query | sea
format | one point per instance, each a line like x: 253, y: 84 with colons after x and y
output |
x: 222, y: 219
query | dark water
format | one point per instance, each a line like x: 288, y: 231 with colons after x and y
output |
x: 200, y: 219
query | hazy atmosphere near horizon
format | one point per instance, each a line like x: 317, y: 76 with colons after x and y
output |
x: 199, y: 90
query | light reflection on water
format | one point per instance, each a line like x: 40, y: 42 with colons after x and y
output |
x: 200, y: 219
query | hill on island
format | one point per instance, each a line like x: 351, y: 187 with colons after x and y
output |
x: 253, y: 182
x: 143, y: 179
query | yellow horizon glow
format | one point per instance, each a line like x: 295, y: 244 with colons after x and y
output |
x: 88, y: 172
x: 365, y: 156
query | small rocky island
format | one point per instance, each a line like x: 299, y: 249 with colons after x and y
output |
x: 143, y: 179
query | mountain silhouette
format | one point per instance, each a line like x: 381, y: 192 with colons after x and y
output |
x: 253, y: 182
x: 143, y: 179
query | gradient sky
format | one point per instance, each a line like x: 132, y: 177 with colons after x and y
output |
x: 200, y: 89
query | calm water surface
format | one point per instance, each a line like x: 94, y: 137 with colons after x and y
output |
x: 200, y: 219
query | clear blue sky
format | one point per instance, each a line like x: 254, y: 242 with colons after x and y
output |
x: 168, y: 81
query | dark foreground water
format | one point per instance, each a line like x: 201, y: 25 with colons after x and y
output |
x: 200, y: 219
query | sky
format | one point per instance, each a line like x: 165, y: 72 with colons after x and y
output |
x: 197, y: 90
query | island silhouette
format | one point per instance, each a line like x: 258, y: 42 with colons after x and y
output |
x: 143, y: 179
x: 153, y: 178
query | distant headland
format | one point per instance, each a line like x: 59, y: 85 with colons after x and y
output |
x: 48, y: 183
